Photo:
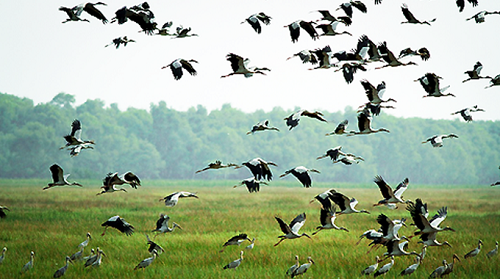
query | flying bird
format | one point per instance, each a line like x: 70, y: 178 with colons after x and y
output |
x: 333, y: 153
x: 375, y: 94
x: 428, y: 226
x: 349, y: 69
x: 252, y: 184
x: 162, y: 224
x: 480, y: 17
x: 291, y: 231
x: 422, y: 52
x: 302, y: 174
x: 364, y: 125
x: 389, y: 195
x: 340, y: 129
x: 74, y: 137
x: 295, y: 26
x: 494, y: 81
x: 72, y: 14
x: 430, y: 83
x: 172, y: 199
x: 254, y: 19
x: 293, y: 120
x: 437, y: 140
x: 235, y: 240
x: 347, y: 7
x: 465, y: 113
x: 240, y: 66
x: 306, y: 56
x: 177, y: 65
x: 262, y: 126
x: 91, y: 10
x: 216, y: 165
x: 119, y: 224
x: 76, y: 149
x: 120, y: 41
x: 346, y: 205
x: 260, y: 168
x: 329, y: 29
x: 389, y: 57
x: 475, y: 73
x: 327, y: 16
x: 182, y: 32
x: 411, y: 19
x: 461, y: 4
x: 327, y: 220
x: 58, y: 177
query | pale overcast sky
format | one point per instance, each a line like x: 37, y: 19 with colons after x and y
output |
x: 41, y: 57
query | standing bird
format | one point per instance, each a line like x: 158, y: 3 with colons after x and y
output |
x: 490, y: 254
x: 86, y: 242
x: 389, y: 57
x: 59, y: 178
x: 234, y: 264
x: 216, y: 165
x: 146, y: 262
x: 262, y: 126
x: 302, y: 174
x: 389, y: 195
x: 412, y: 268
x: 494, y: 81
x: 384, y: 269
x: 29, y: 265
x: 291, y: 231
x: 235, y: 240
x: 340, y: 129
x: 480, y: 17
x: 254, y: 19
x: 177, y: 65
x: 474, y: 252
x: 461, y: 4
x: 2, y: 257
x: 347, y: 7
x: 78, y: 255
x: 430, y: 83
x: 74, y: 137
x: 303, y: 268
x: 465, y: 113
x: 252, y: 184
x: 162, y: 224
x: 327, y: 220
x: 370, y: 269
x: 260, y: 168
x: 437, y: 140
x: 422, y: 52
x: 411, y: 19
x: 295, y: 26
x: 240, y: 66
x: 2, y: 211
x: 119, y: 224
x: 120, y: 41
x: 475, y: 73
x: 60, y: 272
x: 438, y: 272
x: 375, y: 94
x: 91, y: 10
x: 345, y: 204
x: 449, y: 267
x: 93, y: 258
x: 294, y: 267
x: 364, y: 125
x: 172, y: 199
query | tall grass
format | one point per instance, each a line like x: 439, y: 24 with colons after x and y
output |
x: 53, y: 222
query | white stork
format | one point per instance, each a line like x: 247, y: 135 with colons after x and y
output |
x: 303, y: 268
x: 76, y: 149
x: 329, y: 29
x: 474, y: 252
x: 333, y: 153
x: 146, y: 262
x: 234, y: 264
x: 60, y: 272
x: 58, y: 177
x: 119, y: 224
x: 254, y: 19
x: 475, y: 73
x: 411, y: 19
x: 162, y: 224
x: 252, y: 184
x: 327, y: 16
x: 423, y: 52
x: 240, y: 66
x: 291, y: 231
x: 74, y: 137
x: 375, y: 94
x: 389, y: 195
x: 72, y: 16
x: 480, y: 17
x: 306, y: 56
x: 235, y: 240
x: 172, y: 199
x: 91, y: 10
x: 29, y: 265
x: 347, y: 7
x: 177, y: 65
x: 293, y: 120
x: 302, y: 174
x: 430, y: 83
x: 389, y: 57
x: 437, y: 140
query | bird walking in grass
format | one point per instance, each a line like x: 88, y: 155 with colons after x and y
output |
x: 449, y: 267
x: 2, y: 257
x: 61, y: 271
x: 85, y: 243
x: 474, y: 252
x: 234, y: 264
x: 384, y: 269
x: 255, y: 19
x: 302, y: 174
x: 438, y: 272
x: 372, y: 268
x: 77, y: 256
x: 58, y: 177
x: 146, y: 262
x: 294, y: 267
x: 93, y: 258
x: 235, y: 240
x: 29, y: 265
x: 119, y: 224
x: 291, y: 231
x: 178, y: 64
x: 437, y: 140
x: 172, y: 199
x: 2, y: 211
x: 491, y: 253
x: 303, y: 268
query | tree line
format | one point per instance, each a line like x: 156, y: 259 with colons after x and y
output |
x: 164, y: 143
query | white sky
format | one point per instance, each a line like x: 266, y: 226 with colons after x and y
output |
x: 41, y: 57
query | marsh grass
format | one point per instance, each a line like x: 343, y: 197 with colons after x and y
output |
x: 53, y: 222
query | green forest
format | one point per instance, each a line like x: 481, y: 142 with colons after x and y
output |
x: 164, y: 143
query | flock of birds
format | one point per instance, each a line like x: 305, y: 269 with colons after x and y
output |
x: 333, y: 203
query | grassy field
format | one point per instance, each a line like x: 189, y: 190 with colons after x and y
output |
x: 53, y: 222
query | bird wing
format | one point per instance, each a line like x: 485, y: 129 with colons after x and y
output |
x: 294, y: 29
x: 254, y: 22
x: 340, y: 199
x: 439, y: 217
x: 76, y: 129
x: 283, y: 226
x: 297, y: 223
x: 402, y: 186
x: 364, y: 121
x: 385, y: 189
x: 57, y: 173
x: 162, y: 222
x: 386, y: 224
x: 187, y: 65
x: 125, y: 227
x: 408, y: 15
x: 236, y: 238
x: 317, y: 114
x: 132, y: 179
x: 264, y: 18
x: 360, y: 6
x: 307, y: 25
x: 236, y: 61
x: 370, y: 90
x: 416, y: 214
x: 93, y: 11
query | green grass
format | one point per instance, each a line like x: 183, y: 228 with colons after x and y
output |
x: 53, y: 222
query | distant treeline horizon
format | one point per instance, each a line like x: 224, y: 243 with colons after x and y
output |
x: 164, y: 143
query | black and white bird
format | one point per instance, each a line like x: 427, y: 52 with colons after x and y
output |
x: 372, y: 268
x: 262, y: 126
x: 303, y: 268
x: 480, y: 17
x: 302, y: 174
x: 260, y: 168
x: 330, y: 29
x: 153, y: 246
x: 389, y: 57
x: 293, y: 119
x: 295, y: 27
x: 235, y: 240
x: 349, y: 159
x: 72, y: 14
x: 177, y: 65
x: 146, y: 262
x: 119, y: 224
x: 306, y: 56
x: 437, y: 140
x: 162, y: 224
x: 327, y: 16
x: 396, y: 248
x: 475, y: 251
x: 385, y: 268
x: 349, y: 69
x: 494, y: 81
x: 29, y: 265
x: 112, y: 179
x: 475, y: 73
x: 2, y: 257
x: 422, y: 52
x: 182, y: 32
x: 430, y: 83
x: 375, y: 94
x: 61, y: 271
x: 333, y: 153
x: 465, y: 113
x: 140, y: 14
x: 217, y: 165
x: 234, y: 264
x: 59, y: 178
x: 340, y: 129
x: 327, y: 220
x: 74, y: 137
x: 291, y: 231
x: 461, y: 4
x: 253, y: 185
x: 120, y: 41
x: 411, y: 19
x: 428, y: 226
x: 388, y: 194
x: 2, y: 211
x: 364, y: 125
x: 346, y: 205
x: 239, y: 65
x: 91, y: 10
x: 172, y: 199
x: 347, y: 7
x: 75, y: 150
x: 254, y: 19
